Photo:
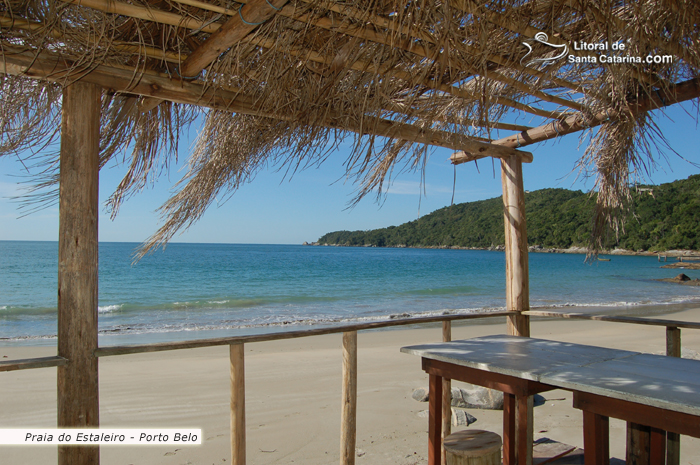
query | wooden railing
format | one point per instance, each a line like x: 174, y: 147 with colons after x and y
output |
x: 237, y: 368
x: 349, y: 366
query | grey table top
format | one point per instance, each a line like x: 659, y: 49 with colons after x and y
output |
x: 665, y: 382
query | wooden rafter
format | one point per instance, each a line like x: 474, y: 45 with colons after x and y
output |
x: 392, y: 26
x: 249, y: 17
x: 152, y: 14
x: 681, y: 92
x: 138, y: 50
x: 147, y: 104
x: 53, y: 68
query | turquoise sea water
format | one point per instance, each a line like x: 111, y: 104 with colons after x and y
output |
x: 216, y: 289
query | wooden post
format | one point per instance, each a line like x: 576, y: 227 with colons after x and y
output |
x: 434, y: 424
x: 446, y: 394
x: 348, y: 421
x: 638, y: 444
x: 77, y: 380
x: 517, y: 288
x: 673, y: 440
x: 517, y: 273
x: 237, y: 361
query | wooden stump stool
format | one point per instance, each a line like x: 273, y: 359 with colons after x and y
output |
x: 473, y: 447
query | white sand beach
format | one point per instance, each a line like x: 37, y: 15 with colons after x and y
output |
x: 293, y: 397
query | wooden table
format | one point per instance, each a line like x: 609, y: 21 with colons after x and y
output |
x: 635, y: 387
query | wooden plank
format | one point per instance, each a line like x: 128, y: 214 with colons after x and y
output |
x: 641, y: 414
x: 596, y: 440
x: 521, y: 357
x: 238, y: 440
x: 348, y: 422
x: 78, y: 388
x: 617, y: 319
x: 664, y: 382
x: 210, y: 342
x: 517, y: 274
x: 434, y: 420
x: 546, y: 451
x: 28, y: 363
x: 673, y: 440
x: 446, y: 394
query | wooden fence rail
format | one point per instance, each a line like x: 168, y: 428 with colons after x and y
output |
x: 349, y: 367
x: 25, y: 364
x: 197, y: 343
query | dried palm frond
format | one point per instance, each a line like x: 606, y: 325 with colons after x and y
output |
x: 320, y: 72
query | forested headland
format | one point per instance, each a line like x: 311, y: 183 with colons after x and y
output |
x: 662, y: 217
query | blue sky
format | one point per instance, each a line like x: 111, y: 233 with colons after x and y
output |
x: 276, y: 210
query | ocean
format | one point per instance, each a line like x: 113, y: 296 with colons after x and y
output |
x: 192, y: 291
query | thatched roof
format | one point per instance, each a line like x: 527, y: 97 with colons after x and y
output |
x: 284, y: 82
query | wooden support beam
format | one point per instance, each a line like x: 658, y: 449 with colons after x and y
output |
x: 686, y: 90
x: 517, y: 273
x: 238, y: 441
x: 78, y: 388
x: 446, y: 394
x: 517, y: 289
x: 52, y: 68
x: 348, y: 422
x: 673, y: 440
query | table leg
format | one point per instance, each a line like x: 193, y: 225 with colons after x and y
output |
x: 435, y: 421
x: 508, y: 429
x: 657, y: 446
x: 524, y: 430
x: 596, y: 439
x: 638, y: 443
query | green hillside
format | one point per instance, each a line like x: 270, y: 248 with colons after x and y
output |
x: 662, y: 218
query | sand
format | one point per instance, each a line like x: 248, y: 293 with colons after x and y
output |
x: 293, y: 397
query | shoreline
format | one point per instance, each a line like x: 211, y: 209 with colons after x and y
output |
x: 108, y: 338
x: 531, y: 248
x: 292, y: 420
